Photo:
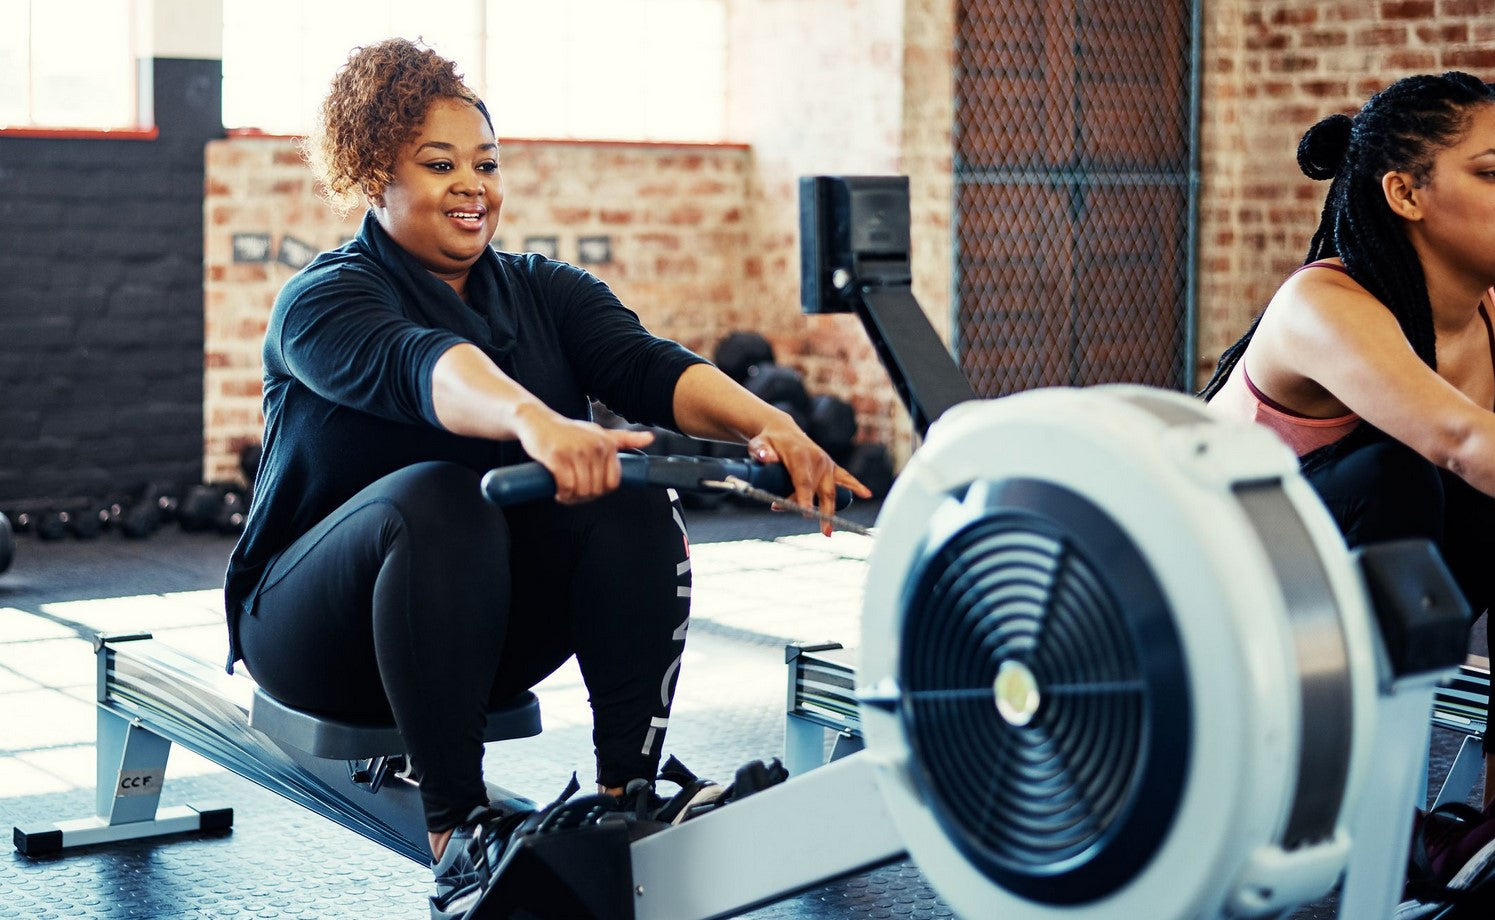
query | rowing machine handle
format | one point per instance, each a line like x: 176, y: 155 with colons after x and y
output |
x: 524, y: 482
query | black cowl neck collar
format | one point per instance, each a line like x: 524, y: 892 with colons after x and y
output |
x: 485, y: 320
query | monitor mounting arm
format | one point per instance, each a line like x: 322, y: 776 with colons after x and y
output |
x: 854, y: 258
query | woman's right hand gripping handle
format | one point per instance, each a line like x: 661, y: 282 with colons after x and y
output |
x: 582, y: 457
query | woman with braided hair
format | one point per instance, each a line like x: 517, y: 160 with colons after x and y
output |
x: 1375, y: 361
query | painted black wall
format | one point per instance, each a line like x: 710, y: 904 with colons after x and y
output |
x: 101, y: 301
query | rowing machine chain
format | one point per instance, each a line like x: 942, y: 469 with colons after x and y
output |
x: 744, y: 488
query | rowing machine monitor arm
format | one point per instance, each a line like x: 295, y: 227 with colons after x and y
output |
x: 854, y: 258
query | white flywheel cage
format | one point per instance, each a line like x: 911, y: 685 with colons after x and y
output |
x: 1113, y: 655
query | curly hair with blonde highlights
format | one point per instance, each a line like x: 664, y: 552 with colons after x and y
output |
x: 377, y: 103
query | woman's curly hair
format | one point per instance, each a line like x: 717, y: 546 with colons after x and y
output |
x: 377, y: 103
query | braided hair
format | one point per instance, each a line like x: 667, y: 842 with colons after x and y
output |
x: 1400, y: 129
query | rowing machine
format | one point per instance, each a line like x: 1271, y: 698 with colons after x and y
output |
x: 151, y: 696
x: 1115, y: 662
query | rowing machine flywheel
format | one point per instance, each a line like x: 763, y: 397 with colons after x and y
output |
x: 1113, y: 657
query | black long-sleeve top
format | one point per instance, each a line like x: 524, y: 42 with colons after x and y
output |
x: 349, y: 352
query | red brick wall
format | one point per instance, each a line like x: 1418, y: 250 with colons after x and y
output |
x: 815, y: 86
x: 926, y: 158
x: 1272, y: 69
x: 675, y: 217
x: 704, y: 239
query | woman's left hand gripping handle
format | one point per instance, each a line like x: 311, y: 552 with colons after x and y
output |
x: 814, y: 474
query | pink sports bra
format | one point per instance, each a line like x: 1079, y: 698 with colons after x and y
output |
x: 1239, y: 398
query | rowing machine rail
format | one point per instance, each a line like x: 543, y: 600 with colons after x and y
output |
x: 151, y: 696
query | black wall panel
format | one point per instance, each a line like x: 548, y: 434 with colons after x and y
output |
x: 101, y: 300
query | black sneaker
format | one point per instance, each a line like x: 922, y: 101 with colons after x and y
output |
x: 696, y: 795
x: 569, y: 811
x: 466, y: 865
x: 754, y: 776
x: 638, y: 809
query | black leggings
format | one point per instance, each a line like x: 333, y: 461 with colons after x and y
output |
x: 1379, y: 489
x: 418, y: 599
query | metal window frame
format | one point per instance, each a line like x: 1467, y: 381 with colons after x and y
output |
x: 1191, y: 179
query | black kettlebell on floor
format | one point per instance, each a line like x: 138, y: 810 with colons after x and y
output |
x: 154, y: 505
x: 7, y: 544
x: 86, y: 522
x: 229, y: 520
x: 53, y: 524
x: 198, y: 512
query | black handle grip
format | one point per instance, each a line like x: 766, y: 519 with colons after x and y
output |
x: 527, y: 482
x: 512, y: 485
x: 524, y: 482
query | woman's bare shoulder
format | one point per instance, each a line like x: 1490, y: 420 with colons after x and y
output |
x: 1322, y: 301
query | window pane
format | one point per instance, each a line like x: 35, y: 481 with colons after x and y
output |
x: 15, y: 26
x: 262, y: 83
x: 94, y: 89
x: 279, y: 56
x: 70, y: 65
x: 605, y: 67
x: 625, y: 69
x: 455, y: 33
x: 684, y: 74
x: 527, y: 68
x: 330, y: 30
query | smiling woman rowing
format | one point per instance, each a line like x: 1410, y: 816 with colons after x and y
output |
x: 371, y: 579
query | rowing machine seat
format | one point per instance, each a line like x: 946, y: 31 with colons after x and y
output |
x: 338, y: 739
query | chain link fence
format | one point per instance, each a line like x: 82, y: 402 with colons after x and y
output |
x: 1074, y: 206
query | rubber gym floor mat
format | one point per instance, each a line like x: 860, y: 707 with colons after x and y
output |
x: 112, y: 566
x: 281, y: 861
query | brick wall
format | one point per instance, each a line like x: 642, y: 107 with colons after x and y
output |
x: 259, y: 191
x: 704, y: 239
x: 101, y: 380
x: 674, y: 216
x: 928, y: 118
x: 863, y: 86
x: 1272, y: 69
x: 101, y: 300
x: 816, y: 87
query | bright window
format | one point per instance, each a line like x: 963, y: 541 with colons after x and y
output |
x: 637, y: 69
x: 71, y: 65
x: 596, y: 69
x: 279, y: 56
